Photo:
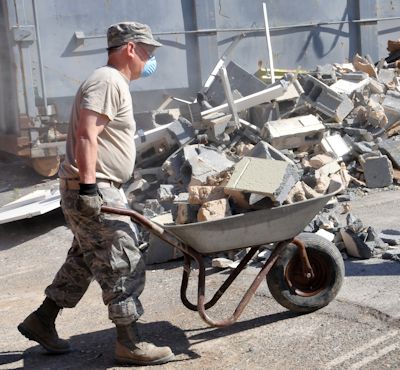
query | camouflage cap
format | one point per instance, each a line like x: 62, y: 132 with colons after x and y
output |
x: 120, y: 33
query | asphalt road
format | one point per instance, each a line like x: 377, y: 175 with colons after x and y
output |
x: 359, y: 330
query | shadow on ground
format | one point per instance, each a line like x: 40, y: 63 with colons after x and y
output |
x: 95, y: 350
x: 370, y: 268
x: 17, y: 232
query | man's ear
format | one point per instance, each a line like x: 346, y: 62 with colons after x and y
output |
x: 130, y: 48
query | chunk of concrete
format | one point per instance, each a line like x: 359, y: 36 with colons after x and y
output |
x: 324, y: 99
x: 155, y: 145
x: 355, y: 245
x: 392, y: 149
x: 185, y: 213
x: 378, y: 171
x: 160, y: 251
x: 348, y: 86
x: 265, y: 150
x: 165, y: 193
x: 273, y: 179
x: 202, y: 194
x: 214, y: 210
x: 202, y: 162
x: 293, y: 132
x: 326, y: 234
x: 239, y: 79
x: 329, y: 168
x: 320, y: 160
x: 391, y: 105
x: 336, y: 145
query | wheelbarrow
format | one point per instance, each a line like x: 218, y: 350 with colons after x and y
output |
x: 304, y: 271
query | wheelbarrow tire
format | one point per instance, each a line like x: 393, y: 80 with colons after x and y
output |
x: 292, y: 290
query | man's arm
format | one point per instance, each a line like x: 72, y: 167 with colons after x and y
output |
x: 90, y: 125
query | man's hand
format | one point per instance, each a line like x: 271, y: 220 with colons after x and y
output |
x: 89, y: 201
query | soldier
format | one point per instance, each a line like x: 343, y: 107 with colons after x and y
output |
x: 100, y: 157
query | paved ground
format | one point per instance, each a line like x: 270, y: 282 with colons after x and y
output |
x: 359, y: 330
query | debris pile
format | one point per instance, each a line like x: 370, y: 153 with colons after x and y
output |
x: 243, y: 145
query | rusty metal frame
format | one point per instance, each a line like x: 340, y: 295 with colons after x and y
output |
x: 192, y: 255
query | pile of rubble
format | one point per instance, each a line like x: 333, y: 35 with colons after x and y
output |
x: 244, y: 145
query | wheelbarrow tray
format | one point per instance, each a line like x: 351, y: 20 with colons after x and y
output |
x: 252, y: 228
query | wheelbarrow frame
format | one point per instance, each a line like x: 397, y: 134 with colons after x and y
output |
x: 191, y: 254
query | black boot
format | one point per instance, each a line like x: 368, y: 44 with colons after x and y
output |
x: 40, y: 327
x: 131, y: 350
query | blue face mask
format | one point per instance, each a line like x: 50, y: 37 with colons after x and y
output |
x: 149, y: 67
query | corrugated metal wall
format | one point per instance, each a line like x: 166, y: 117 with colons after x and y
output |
x: 304, y: 34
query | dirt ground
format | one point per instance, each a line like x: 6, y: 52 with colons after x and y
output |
x: 360, y: 329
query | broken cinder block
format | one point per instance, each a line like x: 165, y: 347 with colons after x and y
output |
x: 324, y: 99
x: 293, y: 132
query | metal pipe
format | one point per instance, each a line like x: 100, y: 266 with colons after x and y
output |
x: 44, y: 91
x: 81, y: 35
x: 267, y: 35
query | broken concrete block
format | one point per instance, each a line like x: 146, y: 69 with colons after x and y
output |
x: 264, y: 150
x: 238, y: 198
x: 377, y: 118
x: 326, y: 234
x: 185, y: 213
x: 156, y: 145
x: 348, y: 86
x: 391, y: 105
x: 160, y: 251
x: 378, y: 171
x: 192, y: 112
x: 202, y: 194
x: 362, y: 64
x: 214, y: 210
x: 376, y: 87
x: 324, y: 99
x: 293, y: 132
x: 165, y: 193
x: 355, y: 245
x: 266, y: 177
x: 152, y: 208
x: 239, y: 79
x: 224, y: 263
x: 202, y: 162
x: 296, y: 194
x: 329, y: 168
x: 320, y: 160
x: 392, y: 149
x: 243, y: 149
x: 336, y: 145
x: 386, y: 76
x: 323, y: 182
x: 326, y: 74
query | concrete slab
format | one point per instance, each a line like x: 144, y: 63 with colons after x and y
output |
x: 266, y: 177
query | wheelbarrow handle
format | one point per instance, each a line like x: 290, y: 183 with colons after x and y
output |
x: 148, y: 225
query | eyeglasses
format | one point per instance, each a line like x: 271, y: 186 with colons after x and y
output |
x: 148, y: 55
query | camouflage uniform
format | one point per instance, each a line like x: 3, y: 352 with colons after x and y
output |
x: 104, y: 249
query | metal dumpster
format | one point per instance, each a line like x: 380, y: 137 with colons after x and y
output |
x: 50, y: 46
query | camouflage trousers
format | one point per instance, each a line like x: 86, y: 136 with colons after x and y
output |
x: 103, y: 249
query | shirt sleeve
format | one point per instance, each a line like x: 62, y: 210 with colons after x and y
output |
x: 102, y: 97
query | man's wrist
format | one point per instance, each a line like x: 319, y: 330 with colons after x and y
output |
x: 88, y: 189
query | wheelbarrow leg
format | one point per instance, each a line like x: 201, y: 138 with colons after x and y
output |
x: 227, y: 283
x: 246, y: 298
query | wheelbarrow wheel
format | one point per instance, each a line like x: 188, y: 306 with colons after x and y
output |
x: 289, y: 286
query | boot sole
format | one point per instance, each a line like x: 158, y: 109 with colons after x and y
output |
x: 129, y: 361
x: 32, y: 336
